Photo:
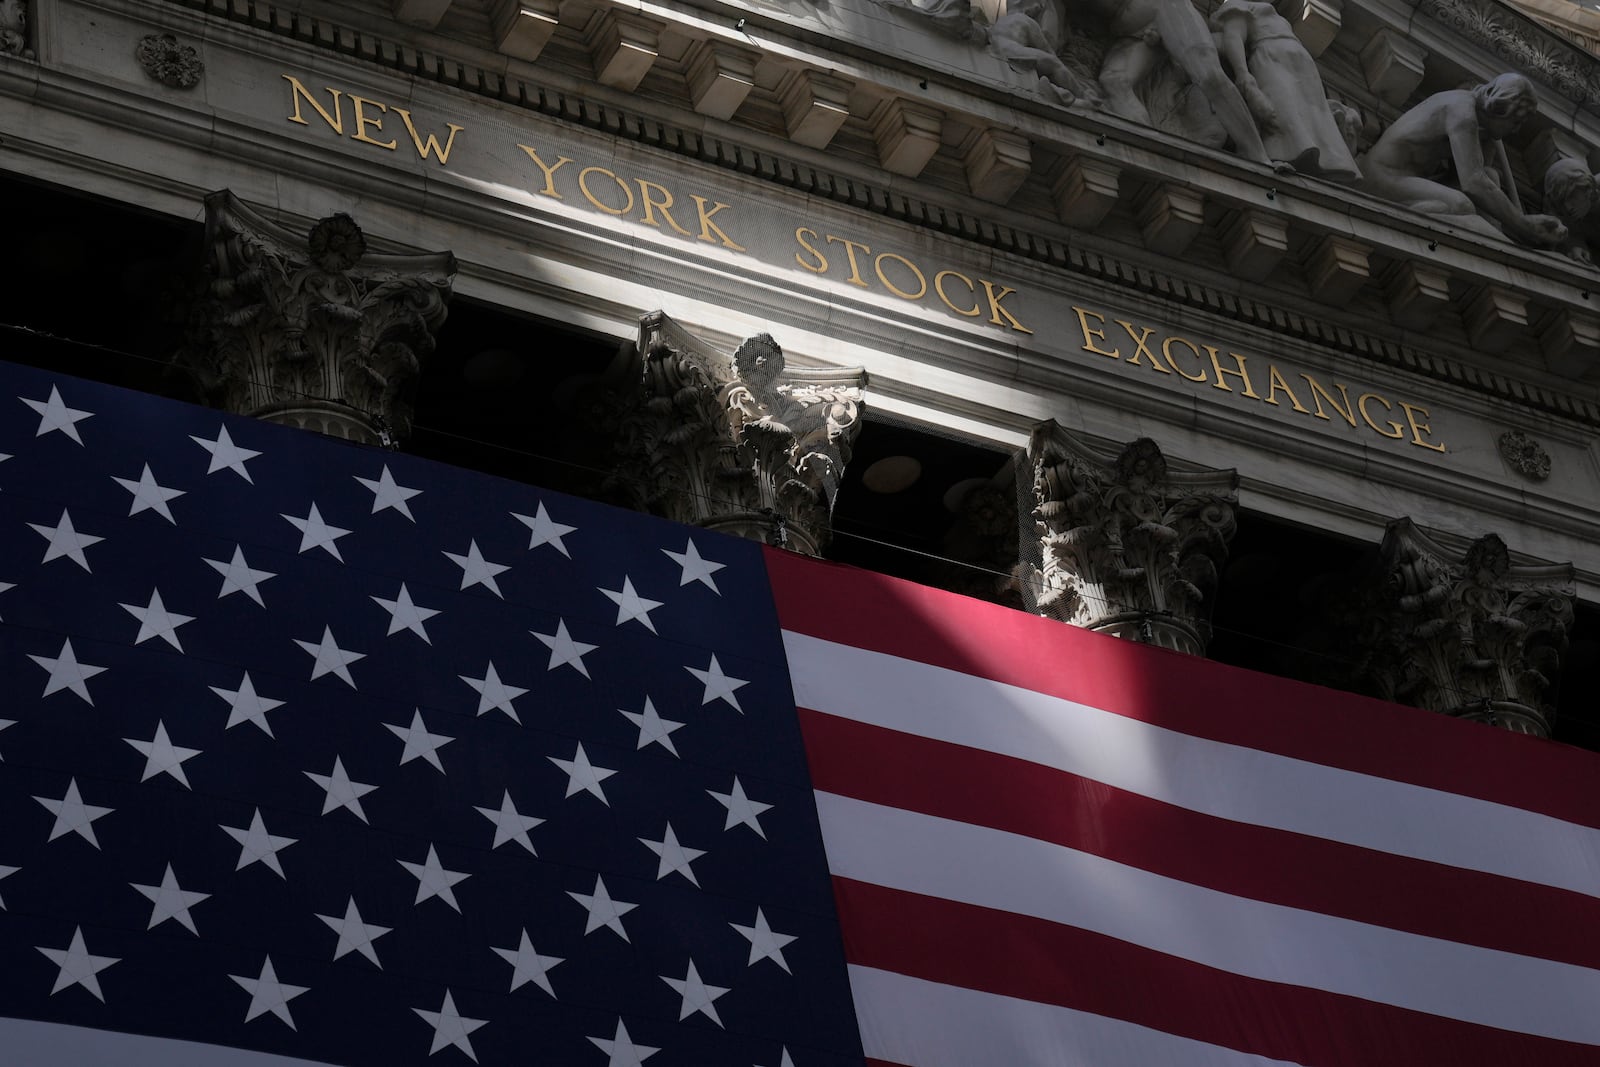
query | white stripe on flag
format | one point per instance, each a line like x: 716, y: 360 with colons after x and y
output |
x: 912, y: 1020
x: 1228, y: 781
x: 1008, y: 872
x: 27, y: 1043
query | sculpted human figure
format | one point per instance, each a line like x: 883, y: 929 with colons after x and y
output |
x: 1461, y: 128
x: 1571, y: 194
x: 1029, y: 35
x: 1281, y: 84
x: 1141, y: 31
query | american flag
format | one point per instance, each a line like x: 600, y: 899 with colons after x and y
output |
x: 314, y: 753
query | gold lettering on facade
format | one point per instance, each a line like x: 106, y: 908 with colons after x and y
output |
x: 1239, y: 372
x: 850, y: 252
x: 822, y: 260
x: 707, y: 227
x: 1319, y: 394
x: 548, y: 170
x: 997, y: 308
x: 1419, y: 428
x: 1141, y: 339
x: 298, y: 92
x: 1166, y: 354
x: 429, y: 145
x: 651, y: 205
x: 1395, y: 430
x: 1276, y: 382
x: 363, y: 120
x: 938, y: 287
x: 600, y: 205
x: 1090, y: 334
x: 922, y: 282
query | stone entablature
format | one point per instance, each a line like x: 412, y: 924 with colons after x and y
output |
x: 1078, y: 168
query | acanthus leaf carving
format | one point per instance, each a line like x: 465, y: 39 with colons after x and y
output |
x: 314, y: 331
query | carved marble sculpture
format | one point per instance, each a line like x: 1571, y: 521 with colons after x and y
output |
x: 746, y: 446
x: 1125, y: 545
x: 313, y: 331
x: 1145, y: 31
x: 1029, y: 35
x: 1283, y: 88
x: 14, y: 28
x: 1461, y: 128
x: 1571, y: 193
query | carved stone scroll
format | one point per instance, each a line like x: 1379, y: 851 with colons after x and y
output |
x: 1126, y: 545
x: 743, y: 445
x: 1470, y: 634
x: 312, y: 331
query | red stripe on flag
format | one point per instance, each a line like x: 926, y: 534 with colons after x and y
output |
x: 1049, y: 963
x: 954, y: 782
x: 1184, y: 693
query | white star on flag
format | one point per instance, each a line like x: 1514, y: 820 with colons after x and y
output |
x: 6, y: 872
x: 434, y: 881
x: 697, y: 995
x: 583, y: 776
x: 65, y: 542
x: 419, y: 743
x: 239, y: 577
x: 149, y: 495
x: 354, y: 934
x: 475, y: 570
x: 245, y: 706
x: 545, y: 531
x: 631, y: 606
x: 258, y: 846
x: 783, y: 1058
x: 7, y: 585
x: 404, y: 614
x: 564, y: 651
x: 742, y: 811
x: 170, y: 901
x: 156, y: 621
x: 67, y: 673
x: 314, y: 533
x: 621, y: 1049
x: 765, y: 943
x: 73, y: 816
x: 528, y: 966
x: 387, y: 493
x: 161, y: 756
x: 673, y: 856
x: 267, y: 994
x: 510, y: 824
x: 55, y: 415
x: 341, y: 791
x: 450, y: 1027
x: 652, y: 727
x: 695, y: 567
x: 330, y: 658
x: 603, y: 909
x: 719, y: 686
x: 225, y: 455
x: 493, y: 694
x: 78, y: 966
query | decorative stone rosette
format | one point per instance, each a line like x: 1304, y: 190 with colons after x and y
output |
x: 175, y: 65
x: 1126, y: 546
x: 314, y: 331
x: 743, y: 445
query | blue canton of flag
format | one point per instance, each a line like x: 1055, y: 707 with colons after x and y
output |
x: 352, y: 758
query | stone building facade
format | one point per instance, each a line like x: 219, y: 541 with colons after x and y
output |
x: 1263, y: 332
